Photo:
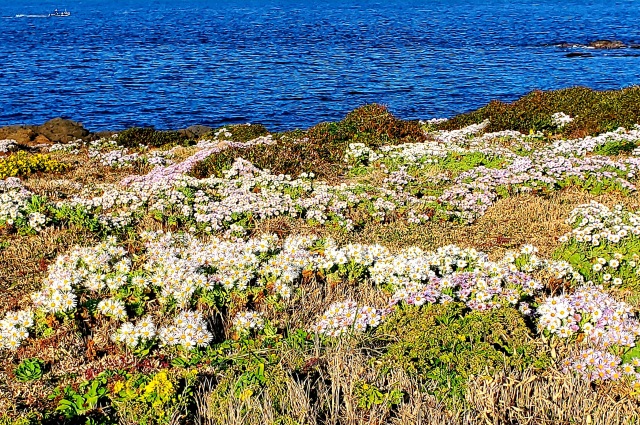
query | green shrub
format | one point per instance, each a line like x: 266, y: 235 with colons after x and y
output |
x: 625, y: 255
x: 136, y: 136
x: 593, y: 112
x: 446, y: 344
x: 29, y: 370
x: 616, y: 147
x: 321, y: 148
x: 239, y: 132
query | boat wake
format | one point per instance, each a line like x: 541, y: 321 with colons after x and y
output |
x: 31, y: 16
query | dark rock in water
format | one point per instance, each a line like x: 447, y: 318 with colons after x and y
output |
x: 634, y: 46
x: 62, y: 130
x: 195, y: 131
x: 607, y: 44
x: 596, y: 44
x: 578, y: 55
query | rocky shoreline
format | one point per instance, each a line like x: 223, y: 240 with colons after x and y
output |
x: 61, y: 130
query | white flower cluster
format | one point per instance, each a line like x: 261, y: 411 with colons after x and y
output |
x: 14, y: 198
x: 581, y: 147
x: 189, y: 330
x: 462, y: 135
x: 343, y: 317
x: 94, y: 269
x: 285, y: 268
x: 221, y: 143
x: 132, y: 335
x: 112, y: 307
x: 7, y: 145
x: 246, y: 321
x: 355, y: 254
x: 604, y: 320
x: 360, y: 154
x: 14, y: 328
x: 434, y: 121
x: 560, y: 119
x: 161, y: 158
x: 595, y: 223
x: 427, y: 152
x: 37, y: 221
x: 606, y: 269
x: 411, y: 268
x: 71, y: 147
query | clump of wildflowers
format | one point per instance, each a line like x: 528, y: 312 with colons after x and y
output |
x: 360, y: 154
x: 594, y: 365
x: 14, y: 201
x: 343, y: 317
x: 14, y: 328
x: 595, y: 223
x: 247, y: 321
x: 189, y: 330
x: 132, y: 335
x: 603, y: 320
x: 71, y: 147
x: 603, y: 244
x: 113, y: 308
x: 7, y: 145
x: 560, y: 119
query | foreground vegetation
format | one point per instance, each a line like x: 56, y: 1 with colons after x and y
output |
x: 371, y: 270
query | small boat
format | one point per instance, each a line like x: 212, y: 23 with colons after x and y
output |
x: 59, y: 14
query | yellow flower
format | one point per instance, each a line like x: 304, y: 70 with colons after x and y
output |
x: 117, y: 387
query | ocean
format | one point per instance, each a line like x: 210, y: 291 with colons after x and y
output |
x: 292, y: 64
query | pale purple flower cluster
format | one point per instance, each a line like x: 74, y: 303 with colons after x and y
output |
x: 603, y: 320
x: 163, y: 176
x: 594, y: 365
x: 453, y: 274
x: 474, y: 191
x: 347, y: 316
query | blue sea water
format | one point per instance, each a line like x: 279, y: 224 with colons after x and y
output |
x: 288, y: 64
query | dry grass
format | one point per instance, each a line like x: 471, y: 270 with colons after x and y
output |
x: 24, y: 262
x: 329, y: 396
x: 510, y: 223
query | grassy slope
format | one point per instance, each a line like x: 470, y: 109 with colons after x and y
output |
x: 304, y: 380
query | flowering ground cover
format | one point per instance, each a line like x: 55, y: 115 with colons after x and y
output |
x: 403, y: 273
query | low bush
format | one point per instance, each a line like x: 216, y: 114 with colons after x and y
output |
x: 136, y: 136
x: 592, y: 112
x: 238, y: 132
x: 321, y: 148
x: 443, y: 345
